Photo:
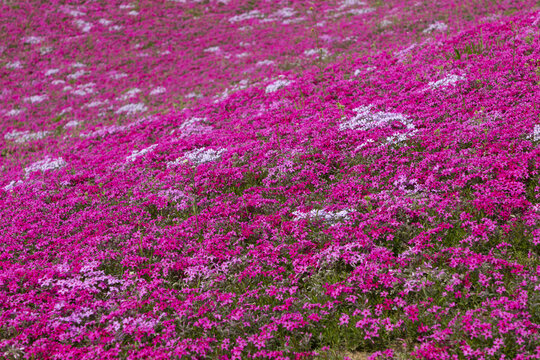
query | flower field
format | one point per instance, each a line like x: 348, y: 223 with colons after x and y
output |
x: 267, y: 179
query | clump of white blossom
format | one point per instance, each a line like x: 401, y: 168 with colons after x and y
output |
x: 448, y: 80
x: 198, y: 156
x: 137, y: 153
x: 246, y: 16
x: 436, y: 26
x: 323, y: 52
x: 131, y: 108
x: 23, y: 136
x: 361, y: 11
x: 158, y: 90
x: 45, y: 164
x: 130, y: 93
x: 366, y: 119
x: 33, y: 39
x: 203, y: 155
x: 84, y: 89
x: 348, y: 3
x: 51, y: 72
x: 12, y: 185
x: 72, y: 123
x: 536, y: 133
x: 14, y: 65
x: 118, y: 76
x: 76, y: 74
x: 212, y: 49
x: 264, y: 63
x: 35, y: 98
x: 275, y: 86
x: 83, y: 25
x: 322, y: 214
x: 95, y: 103
x: 14, y: 112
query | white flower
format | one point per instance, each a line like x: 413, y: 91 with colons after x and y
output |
x: 14, y: 65
x: 118, y: 76
x: 364, y: 144
x: 75, y: 13
x: 292, y: 21
x: 33, y: 39
x: 365, y: 119
x: 158, y: 90
x: 35, y: 98
x: 51, y: 72
x: 192, y: 126
x: 385, y: 23
x: 360, y: 11
x: 264, y: 62
x: 105, y: 22
x: 12, y: 184
x: 78, y: 65
x: 448, y: 80
x: 137, y: 153
x: 133, y: 13
x: 403, y: 53
x: 129, y: 94
x: 76, y: 74
x: 397, y: 138
x: 203, y: 155
x: 84, y: 89
x: 23, y: 136
x: 72, y: 123
x: 348, y: 3
x: 198, y: 156
x: 212, y: 49
x: 323, y: 52
x: 14, y: 112
x: 536, y: 133
x: 126, y: 6
x: 191, y: 122
x: 359, y: 71
x: 45, y: 164
x: 436, y: 26
x: 285, y: 12
x: 132, y: 108
x: 277, y: 85
x: 246, y: 16
x: 83, y: 25
x: 95, y: 103
x: 322, y: 214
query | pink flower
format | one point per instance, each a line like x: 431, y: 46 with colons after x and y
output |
x: 344, y: 319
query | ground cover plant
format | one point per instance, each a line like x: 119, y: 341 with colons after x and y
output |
x: 270, y: 179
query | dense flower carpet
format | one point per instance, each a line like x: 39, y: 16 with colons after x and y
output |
x: 244, y: 179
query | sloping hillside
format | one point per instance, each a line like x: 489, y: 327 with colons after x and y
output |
x: 270, y: 179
